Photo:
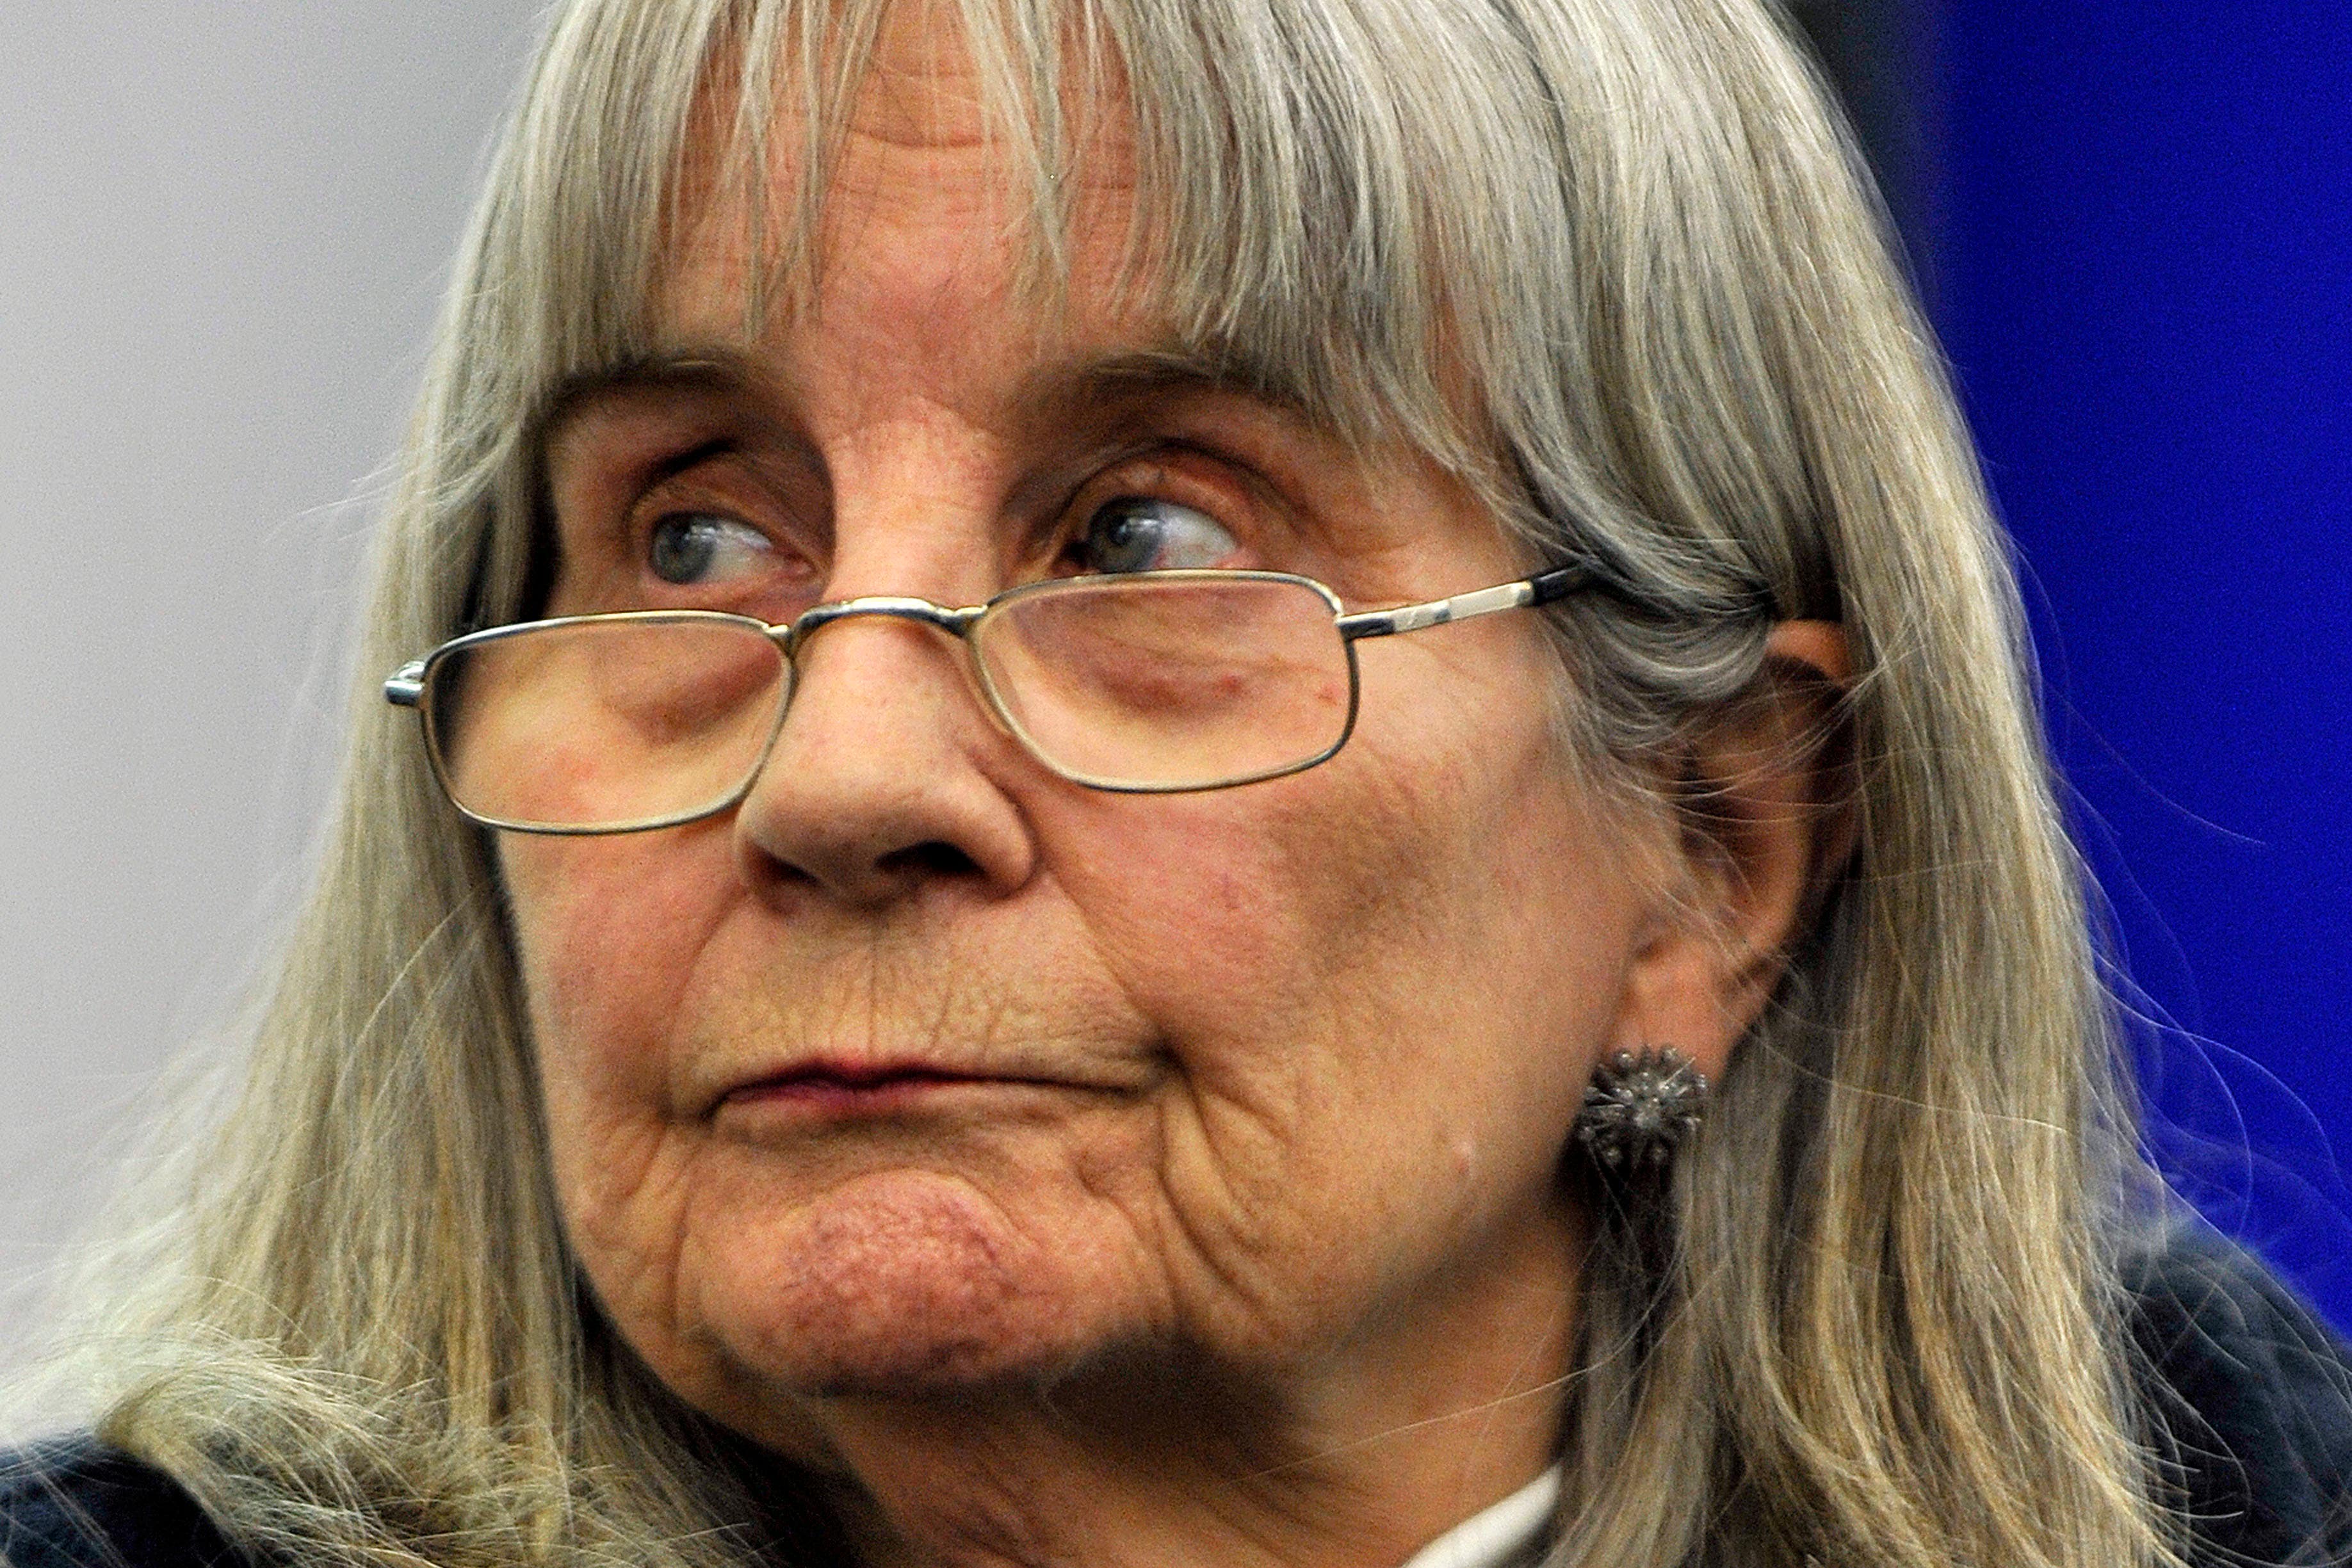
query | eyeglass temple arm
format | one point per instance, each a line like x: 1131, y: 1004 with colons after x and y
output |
x: 1541, y: 589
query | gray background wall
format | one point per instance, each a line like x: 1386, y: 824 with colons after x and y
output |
x: 224, y: 225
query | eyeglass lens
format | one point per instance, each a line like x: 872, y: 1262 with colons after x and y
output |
x: 602, y: 723
x: 1173, y: 682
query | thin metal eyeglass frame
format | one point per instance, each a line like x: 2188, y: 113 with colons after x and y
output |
x: 407, y: 687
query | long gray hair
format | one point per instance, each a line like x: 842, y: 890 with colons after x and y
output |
x: 1612, y: 262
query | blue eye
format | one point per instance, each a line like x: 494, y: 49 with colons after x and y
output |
x: 696, y: 547
x: 1141, y: 533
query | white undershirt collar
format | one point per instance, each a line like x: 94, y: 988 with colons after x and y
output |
x: 1494, y: 1536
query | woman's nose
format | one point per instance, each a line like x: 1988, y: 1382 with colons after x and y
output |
x: 886, y: 776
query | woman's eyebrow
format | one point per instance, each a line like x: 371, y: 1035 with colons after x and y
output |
x: 1124, y: 381
x: 710, y: 373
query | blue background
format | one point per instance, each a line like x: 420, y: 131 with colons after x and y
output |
x: 2134, y: 224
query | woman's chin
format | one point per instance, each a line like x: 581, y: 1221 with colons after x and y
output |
x: 899, y: 1284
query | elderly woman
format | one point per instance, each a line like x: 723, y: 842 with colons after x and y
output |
x: 1231, y: 782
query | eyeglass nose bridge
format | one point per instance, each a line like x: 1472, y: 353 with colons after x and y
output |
x: 956, y: 623
x: 791, y: 636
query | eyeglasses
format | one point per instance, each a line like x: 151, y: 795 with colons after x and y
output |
x: 1152, y: 682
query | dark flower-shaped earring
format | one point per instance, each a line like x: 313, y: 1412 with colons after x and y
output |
x: 1639, y: 1111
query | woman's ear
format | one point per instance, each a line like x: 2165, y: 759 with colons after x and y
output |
x: 1764, y: 794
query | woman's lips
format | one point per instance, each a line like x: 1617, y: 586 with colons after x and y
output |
x: 843, y: 1091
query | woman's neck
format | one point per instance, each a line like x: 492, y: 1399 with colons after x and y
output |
x: 1156, y: 1464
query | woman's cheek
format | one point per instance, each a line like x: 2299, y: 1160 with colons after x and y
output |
x: 608, y: 936
x: 622, y: 1186
x: 609, y: 931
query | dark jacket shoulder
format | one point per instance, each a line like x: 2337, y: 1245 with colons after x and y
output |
x: 2251, y: 1395
x: 71, y: 1503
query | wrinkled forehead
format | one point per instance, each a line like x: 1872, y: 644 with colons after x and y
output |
x: 921, y: 180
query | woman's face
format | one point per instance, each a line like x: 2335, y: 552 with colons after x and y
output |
x: 925, y: 1069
